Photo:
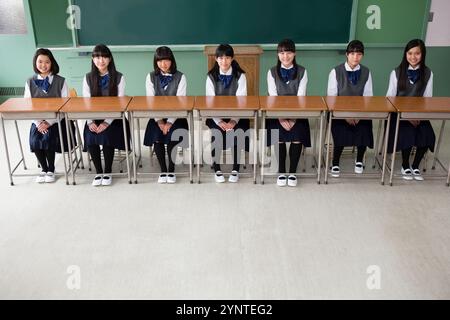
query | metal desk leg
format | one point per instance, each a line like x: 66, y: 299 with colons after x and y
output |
x: 255, y: 147
x: 448, y: 176
x: 126, y: 146
x: 139, y: 144
x: 263, y: 145
x: 327, y: 157
x: 191, y: 129
x: 7, y: 152
x: 133, y: 145
x: 386, y: 140
x: 20, y: 145
x: 397, y: 125
x: 314, y: 151
x: 69, y: 145
x: 438, y: 147
x: 319, y: 164
x: 376, y: 147
x: 80, y: 143
x: 62, y: 148
x: 200, y: 147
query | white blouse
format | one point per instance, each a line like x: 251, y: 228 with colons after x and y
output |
x: 150, y: 90
x: 332, y: 89
x: 64, y: 94
x: 241, y: 90
x: 120, y: 93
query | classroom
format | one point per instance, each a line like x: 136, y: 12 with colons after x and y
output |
x: 147, y: 205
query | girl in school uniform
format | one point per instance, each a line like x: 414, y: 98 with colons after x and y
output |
x: 412, y: 78
x: 165, y: 80
x: 351, y: 79
x: 226, y: 78
x: 288, y: 78
x: 103, y: 80
x: 44, y: 134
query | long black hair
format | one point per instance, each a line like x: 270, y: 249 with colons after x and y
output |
x: 225, y: 50
x: 54, y: 68
x: 164, y: 53
x: 283, y: 46
x: 102, y: 50
x: 403, y: 77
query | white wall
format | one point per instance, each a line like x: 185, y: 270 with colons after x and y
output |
x: 438, y: 33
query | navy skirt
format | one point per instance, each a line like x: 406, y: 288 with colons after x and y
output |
x: 345, y: 135
x: 230, y: 138
x: 112, y: 137
x: 300, y: 132
x: 50, y: 141
x: 409, y: 136
x: 154, y: 134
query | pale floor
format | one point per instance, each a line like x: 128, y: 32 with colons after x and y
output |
x: 209, y: 241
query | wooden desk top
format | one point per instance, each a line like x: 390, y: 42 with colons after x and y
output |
x: 292, y: 103
x: 234, y: 103
x: 359, y: 104
x: 97, y: 104
x: 16, y: 105
x: 161, y: 103
x: 421, y: 104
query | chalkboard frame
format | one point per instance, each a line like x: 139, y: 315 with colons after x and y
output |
x: 75, y: 45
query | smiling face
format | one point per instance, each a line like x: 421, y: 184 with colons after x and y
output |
x: 224, y: 63
x: 102, y: 64
x: 286, y: 58
x: 44, y: 65
x: 354, y: 59
x: 414, y: 56
x: 164, y: 65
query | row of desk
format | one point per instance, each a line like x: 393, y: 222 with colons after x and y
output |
x: 292, y: 107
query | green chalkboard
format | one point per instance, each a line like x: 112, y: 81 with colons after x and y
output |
x: 198, y: 22
x: 391, y: 22
x: 49, y: 19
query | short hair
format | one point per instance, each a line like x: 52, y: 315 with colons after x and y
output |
x: 54, y: 68
x: 355, y: 46
x: 286, y: 45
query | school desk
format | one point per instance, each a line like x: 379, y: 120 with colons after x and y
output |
x: 420, y: 108
x: 160, y: 107
x: 30, y: 109
x: 361, y: 108
x: 227, y: 107
x: 293, y: 107
x: 98, y: 108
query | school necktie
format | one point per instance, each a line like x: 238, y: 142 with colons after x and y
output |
x: 226, y: 80
x: 164, y: 80
x: 353, y: 76
x: 413, y: 75
x: 43, y: 84
x: 286, y: 74
x: 104, y: 82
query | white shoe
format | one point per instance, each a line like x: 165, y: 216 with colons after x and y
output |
x: 50, y: 177
x: 359, y: 167
x: 407, y: 174
x: 171, y: 178
x: 107, y: 180
x: 41, y: 177
x: 335, y: 171
x: 292, y: 181
x: 97, y: 180
x: 417, y: 175
x: 219, y: 177
x: 282, y: 180
x: 162, y: 178
x: 234, y: 177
